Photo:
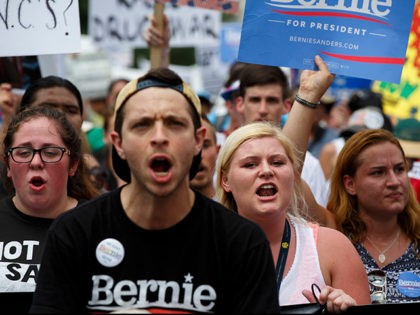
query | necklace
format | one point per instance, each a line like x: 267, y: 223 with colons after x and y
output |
x: 382, y: 256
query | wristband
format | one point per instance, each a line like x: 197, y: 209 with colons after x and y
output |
x: 305, y: 102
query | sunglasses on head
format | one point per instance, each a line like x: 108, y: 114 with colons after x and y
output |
x: 377, y: 283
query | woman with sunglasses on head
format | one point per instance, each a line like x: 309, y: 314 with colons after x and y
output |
x: 43, y: 173
x: 376, y: 208
x: 258, y: 177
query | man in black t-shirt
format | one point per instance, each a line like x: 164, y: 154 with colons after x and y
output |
x: 154, y: 244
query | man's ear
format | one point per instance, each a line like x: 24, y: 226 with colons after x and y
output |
x: 200, y: 135
x: 287, y: 105
x: 239, y: 103
x: 117, y: 142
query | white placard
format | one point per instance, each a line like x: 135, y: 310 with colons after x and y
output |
x: 122, y: 23
x: 39, y: 27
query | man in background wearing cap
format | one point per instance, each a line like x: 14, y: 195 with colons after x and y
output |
x: 232, y: 119
x: 155, y: 244
x: 228, y: 119
x: 366, y: 112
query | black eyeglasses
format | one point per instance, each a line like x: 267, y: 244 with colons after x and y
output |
x: 377, y: 283
x: 50, y: 154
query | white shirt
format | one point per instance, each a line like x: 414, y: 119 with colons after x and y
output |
x: 313, y: 175
x: 305, y: 269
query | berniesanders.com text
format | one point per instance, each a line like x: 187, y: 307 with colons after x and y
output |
x: 323, y: 42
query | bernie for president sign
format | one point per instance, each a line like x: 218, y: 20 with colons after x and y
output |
x: 357, y: 38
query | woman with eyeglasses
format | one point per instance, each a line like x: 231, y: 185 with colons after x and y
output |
x: 376, y: 208
x: 43, y: 174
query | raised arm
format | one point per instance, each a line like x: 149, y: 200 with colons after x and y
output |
x: 313, y: 84
x: 157, y: 37
x: 317, y: 213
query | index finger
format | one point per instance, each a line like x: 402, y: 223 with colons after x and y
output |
x: 321, y: 63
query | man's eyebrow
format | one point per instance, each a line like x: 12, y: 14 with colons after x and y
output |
x: 58, y: 104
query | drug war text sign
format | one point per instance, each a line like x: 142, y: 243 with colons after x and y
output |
x: 122, y: 24
x: 226, y: 6
x: 357, y: 38
x: 39, y: 27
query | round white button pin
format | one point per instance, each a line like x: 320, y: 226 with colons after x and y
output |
x: 110, y: 252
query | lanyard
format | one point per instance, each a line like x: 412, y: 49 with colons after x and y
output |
x: 284, y: 250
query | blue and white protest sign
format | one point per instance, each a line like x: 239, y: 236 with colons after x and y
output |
x: 357, y: 38
x: 229, y: 41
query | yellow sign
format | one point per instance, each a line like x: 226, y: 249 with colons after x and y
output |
x: 403, y: 100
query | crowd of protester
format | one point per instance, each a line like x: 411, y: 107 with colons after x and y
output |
x: 166, y: 205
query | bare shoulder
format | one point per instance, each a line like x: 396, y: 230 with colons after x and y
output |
x: 337, y: 255
x: 341, y: 264
x: 334, y: 241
